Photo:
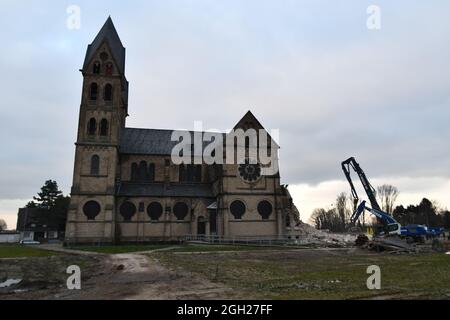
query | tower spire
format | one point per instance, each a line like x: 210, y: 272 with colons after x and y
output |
x: 108, y: 34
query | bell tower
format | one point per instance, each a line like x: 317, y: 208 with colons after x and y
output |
x: 103, y: 111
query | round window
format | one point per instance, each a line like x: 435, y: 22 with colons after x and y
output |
x: 127, y: 210
x: 104, y: 56
x: 250, y: 172
x: 181, y: 210
x: 265, y: 209
x: 91, y: 209
x: 155, y: 211
x: 237, y: 209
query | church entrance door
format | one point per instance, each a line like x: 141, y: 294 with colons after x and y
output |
x: 201, y: 226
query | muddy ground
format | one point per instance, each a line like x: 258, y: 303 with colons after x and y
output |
x: 104, y: 277
x: 284, y: 274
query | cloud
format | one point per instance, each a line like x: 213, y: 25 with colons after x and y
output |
x: 310, y: 69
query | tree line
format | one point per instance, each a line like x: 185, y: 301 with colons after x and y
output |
x: 337, y: 218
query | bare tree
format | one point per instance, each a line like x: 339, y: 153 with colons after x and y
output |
x: 3, y: 225
x: 387, y: 194
x: 342, y: 209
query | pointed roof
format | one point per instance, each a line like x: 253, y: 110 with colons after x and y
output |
x: 250, y: 117
x: 109, y: 34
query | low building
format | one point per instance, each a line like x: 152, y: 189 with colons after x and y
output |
x: 9, y: 237
x: 36, y: 224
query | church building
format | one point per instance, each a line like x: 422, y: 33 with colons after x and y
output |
x: 127, y: 187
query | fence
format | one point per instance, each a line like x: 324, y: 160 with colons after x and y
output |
x: 248, y: 240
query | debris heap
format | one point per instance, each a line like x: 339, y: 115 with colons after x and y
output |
x: 307, y: 234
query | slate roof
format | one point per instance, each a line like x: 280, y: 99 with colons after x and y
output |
x: 149, y: 141
x: 109, y: 34
x: 38, y: 217
x: 160, y: 190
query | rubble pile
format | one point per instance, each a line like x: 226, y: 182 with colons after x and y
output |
x: 307, y: 234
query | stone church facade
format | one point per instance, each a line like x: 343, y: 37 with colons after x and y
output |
x: 127, y: 188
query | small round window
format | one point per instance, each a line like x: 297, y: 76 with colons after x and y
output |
x: 155, y: 211
x: 265, y: 209
x: 237, y: 209
x: 127, y: 210
x: 91, y: 209
x: 181, y: 210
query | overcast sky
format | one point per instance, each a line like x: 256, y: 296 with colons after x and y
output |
x: 311, y: 69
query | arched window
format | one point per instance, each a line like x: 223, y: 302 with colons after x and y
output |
x: 93, y: 92
x: 91, y: 209
x: 155, y: 211
x: 96, y: 68
x: 247, y: 142
x: 108, y: 96
x: 198, y: 173
x: 151, y: 172
x: 104, y: 127
x: 95, y: 165
x: 265, y: 209
x: 127, y: 211
x: 238, y: 209
x: 143, y: 171
x: 109, y: 69
x: 92, y: 126
x: 190, y: 173
x: 181, y: 210
x: 134, y: 172
x: 182, y: 173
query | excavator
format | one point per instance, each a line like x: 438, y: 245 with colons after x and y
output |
x: 388, y: 231
x: 387, y: 225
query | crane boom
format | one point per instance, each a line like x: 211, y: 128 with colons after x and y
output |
x: 370, y: 191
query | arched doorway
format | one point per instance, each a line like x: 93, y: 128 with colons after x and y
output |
x: 201, y: 226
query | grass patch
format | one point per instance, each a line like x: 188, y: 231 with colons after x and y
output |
x: 314, y: 274
x: 18, y: 251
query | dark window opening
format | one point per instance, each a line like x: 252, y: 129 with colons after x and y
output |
x: 92, y: 127
x: 181, y: 210
x: 237, y: 209
x: 109, y: 69
x: 247, y: 142
x: 265, y: 209
x: 198, y: 173
x: 155, y: 211
x: 91, y: 209
x: 141, y: 206
x: 201, y: 226
x: 142, y: 171
x: 93, y: 92
x: 108, y: 95
x: 190, y: 173
x: 97, y: 68
x: 95, y: 165
x: 134, y: 172
x: 104, y: 56
x: 151, y: 172
x: 127, y: 211
x: 104, y: 127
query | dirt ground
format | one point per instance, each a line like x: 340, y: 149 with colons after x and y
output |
x: 284, y: 274
x: 132, y: 276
